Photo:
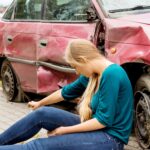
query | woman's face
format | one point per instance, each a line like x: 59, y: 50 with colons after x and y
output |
x: 83, y: 68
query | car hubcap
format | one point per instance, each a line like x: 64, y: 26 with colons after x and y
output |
x: 8, y: 81
x: 143, y: 120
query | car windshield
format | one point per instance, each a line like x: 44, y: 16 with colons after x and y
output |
x: 118, y: 8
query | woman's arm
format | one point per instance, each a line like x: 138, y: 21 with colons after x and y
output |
x: 90, y: 125
x: 51, y: 99
x: 68, y: 92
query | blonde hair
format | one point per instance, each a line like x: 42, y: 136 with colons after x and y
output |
x: 76, y: 50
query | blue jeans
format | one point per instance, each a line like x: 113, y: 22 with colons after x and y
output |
x: 50, y: 118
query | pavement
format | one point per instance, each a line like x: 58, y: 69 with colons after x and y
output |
x: 11, y: 112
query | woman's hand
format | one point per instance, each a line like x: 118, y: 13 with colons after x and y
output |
x: 90, y: 125
x: 34, y: 105
x: 57, y: 131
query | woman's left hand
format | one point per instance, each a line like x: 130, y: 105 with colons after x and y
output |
x: 57, y: 131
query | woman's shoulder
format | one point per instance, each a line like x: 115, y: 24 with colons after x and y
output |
x: 113, y: 71
x: 111, y: 68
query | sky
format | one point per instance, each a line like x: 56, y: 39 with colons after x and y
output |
x: 5, y: 2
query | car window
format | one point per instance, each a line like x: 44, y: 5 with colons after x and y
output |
x: 66, y: 10
x: 28, y: 9
x: 9, y: 12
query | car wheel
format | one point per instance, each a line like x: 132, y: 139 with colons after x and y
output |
x: 9, y: 82
x: 142, y: 111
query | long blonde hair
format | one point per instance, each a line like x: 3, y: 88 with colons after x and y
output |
x: 76, y: 50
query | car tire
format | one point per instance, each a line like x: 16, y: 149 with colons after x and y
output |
x: 142, y: 111
x: 9, y: 82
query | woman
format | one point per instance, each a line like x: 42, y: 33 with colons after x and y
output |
x: 105, y: 111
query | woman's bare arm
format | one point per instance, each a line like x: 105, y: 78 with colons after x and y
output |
x: 90, y: 125
x: 51, y: 99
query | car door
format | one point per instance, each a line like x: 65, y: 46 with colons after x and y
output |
x: 68, y: 21
x: 2, y: 26
x: 21, y: 41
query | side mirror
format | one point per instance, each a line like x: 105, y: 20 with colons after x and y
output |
x: 91, y: 14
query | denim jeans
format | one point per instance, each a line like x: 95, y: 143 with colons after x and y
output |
x: 50, y: 118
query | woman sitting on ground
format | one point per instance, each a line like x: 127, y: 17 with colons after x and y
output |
x: 105, y: 110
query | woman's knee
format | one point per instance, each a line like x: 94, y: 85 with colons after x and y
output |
x: 46, y: 112
x: 57, y: 116
x: 40, y: 110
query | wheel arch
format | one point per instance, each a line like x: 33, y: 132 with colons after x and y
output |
x: 1, y: 62
x: 21, y: 95
x: 135, y: 70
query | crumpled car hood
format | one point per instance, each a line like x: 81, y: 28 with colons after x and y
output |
x: 140, y: 18
x: 131, y: 29
x: 130, y: 36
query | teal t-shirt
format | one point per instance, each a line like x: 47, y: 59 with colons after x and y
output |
x: 112, y: 104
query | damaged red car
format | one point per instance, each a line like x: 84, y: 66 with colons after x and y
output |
x: 35, y: 33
